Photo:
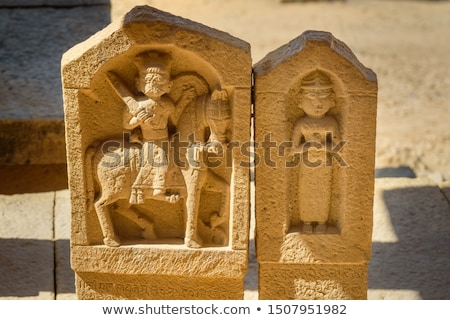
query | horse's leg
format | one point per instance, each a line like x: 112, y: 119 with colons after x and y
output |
x: 194, y: 179
x: 104, y: 216
x: 217, y: 184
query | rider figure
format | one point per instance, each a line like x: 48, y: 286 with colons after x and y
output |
x: 150, y: 111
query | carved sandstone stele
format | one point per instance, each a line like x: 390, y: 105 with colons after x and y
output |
x: 315, y: 120
x: 155, y: 107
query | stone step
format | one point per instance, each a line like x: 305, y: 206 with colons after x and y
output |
x: 33, y: 41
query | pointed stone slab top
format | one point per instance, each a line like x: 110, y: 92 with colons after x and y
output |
x: 310, y: 41
x: 145, y: 26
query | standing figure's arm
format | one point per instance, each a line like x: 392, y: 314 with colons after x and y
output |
x: 333, y: 133
x: 336, y: 132
x: 297, y: 137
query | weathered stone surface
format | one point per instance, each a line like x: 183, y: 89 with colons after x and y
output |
x: 156, y: 287
x: 155, y: 115
x: 318, y: 281
x: 31, y: 227
x: 315, y: 119
x: 166, y: 272
x: 286, y: 1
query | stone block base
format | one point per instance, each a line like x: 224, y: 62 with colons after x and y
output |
x: 158, y: 272
x: 285, y: 281
x: 98, y: 286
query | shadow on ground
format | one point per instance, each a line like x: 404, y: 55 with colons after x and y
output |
x: 32, y: 268
x: 420, y: 258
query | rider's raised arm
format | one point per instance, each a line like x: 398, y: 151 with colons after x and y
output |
x: 129, y: 119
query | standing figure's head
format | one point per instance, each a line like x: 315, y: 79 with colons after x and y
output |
x: 316, y: 94
x: 153, y: 73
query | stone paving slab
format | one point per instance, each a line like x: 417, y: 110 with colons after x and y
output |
x: 35, y: 246
x: 65, y: 278
x: 411, y: 241
x: 26, y: 246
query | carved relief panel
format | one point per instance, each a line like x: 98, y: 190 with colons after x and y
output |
x: 152, y: 107
x: 315, y: 118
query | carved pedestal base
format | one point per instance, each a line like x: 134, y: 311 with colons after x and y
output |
x: 284, y: 281
x: 154, y: 287
x: 159, y: 273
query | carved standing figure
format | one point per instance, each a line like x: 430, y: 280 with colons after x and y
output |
x: 312, y: 133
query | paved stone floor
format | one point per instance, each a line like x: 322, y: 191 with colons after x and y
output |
x: 410, y: 256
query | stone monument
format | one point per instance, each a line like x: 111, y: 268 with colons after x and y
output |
x: 160, y: 202
x: 315, y: 120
